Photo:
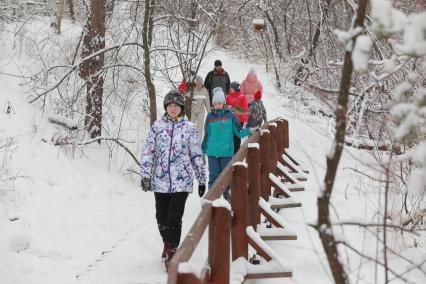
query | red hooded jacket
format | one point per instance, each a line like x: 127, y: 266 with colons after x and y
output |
x: 239, y: 105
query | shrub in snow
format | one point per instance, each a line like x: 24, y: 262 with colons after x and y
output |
x: 6, y: 151
x: 386, y: 19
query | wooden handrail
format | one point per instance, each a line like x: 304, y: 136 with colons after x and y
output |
x: 225, y: 177
x: 269, y: 150
x: 197, y: 230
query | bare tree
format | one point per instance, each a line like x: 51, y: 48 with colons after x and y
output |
x: 324, y: 226
x: 91, y: 70
x: 191, y: 25
x: 146, y: 43
x: 59, y: 13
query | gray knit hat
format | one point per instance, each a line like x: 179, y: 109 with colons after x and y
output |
x: 218, y: 96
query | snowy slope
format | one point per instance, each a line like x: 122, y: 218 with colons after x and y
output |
x: 80, y: 221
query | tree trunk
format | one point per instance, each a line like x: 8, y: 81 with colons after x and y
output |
x: 93, y: 41
x: 59, y: 12
x: 315, y: 40
x: 146, y: 43
x: 110, y: 7
x: 324, y: 226
x: 71, y: 4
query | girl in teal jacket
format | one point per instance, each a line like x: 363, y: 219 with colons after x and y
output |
x: 218, y: 143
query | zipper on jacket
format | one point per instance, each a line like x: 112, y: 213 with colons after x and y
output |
x: 170, y: 154
x: 219, y: 115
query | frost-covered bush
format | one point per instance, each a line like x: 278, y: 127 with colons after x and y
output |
x: 6, y: 151
x: 407, y: 33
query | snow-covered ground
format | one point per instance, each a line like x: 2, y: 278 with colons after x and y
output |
x: 71, y: 217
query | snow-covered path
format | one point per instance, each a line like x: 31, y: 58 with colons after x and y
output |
x: 135, y: 259
x: 100, y: 227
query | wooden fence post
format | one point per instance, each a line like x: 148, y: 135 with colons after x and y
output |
x: 253, y: 162
x: 239, y: 207
x: 286, y: 134
x: 280, y: 139
x: 187, y: 278
x: 273, y: 149
x: 265, y: 188
x: 219, y: 245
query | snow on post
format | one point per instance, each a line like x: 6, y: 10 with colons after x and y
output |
x: 258, y: 240
x: 222, y: 202
x: 253, y: 145
x: 189, y: 268
x: 265, y: 206
x: 244, y: 164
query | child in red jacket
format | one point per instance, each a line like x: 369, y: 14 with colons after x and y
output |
x: 239, y: 106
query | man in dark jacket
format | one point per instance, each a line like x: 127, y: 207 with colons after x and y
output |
x: 218, y: 77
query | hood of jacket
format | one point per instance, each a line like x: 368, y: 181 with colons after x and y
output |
x: 251, y: 77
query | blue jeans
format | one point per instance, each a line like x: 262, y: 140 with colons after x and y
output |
x: 216, y: 166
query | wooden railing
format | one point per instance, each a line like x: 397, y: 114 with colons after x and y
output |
x: 260, y: 165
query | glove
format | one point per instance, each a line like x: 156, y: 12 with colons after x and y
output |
x: 201, y: 189
x: 254, y: 129
x: 145, y: 184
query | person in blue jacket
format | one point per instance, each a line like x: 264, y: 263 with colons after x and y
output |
x: 218, y: 142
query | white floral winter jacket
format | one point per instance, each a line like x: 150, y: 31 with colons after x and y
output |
x: 171, y: 153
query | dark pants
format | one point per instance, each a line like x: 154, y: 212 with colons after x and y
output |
x: 216, y: 166
x: 169, y: 211
x: 237, y: 143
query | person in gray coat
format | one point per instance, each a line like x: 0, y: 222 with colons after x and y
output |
x: 218, y: 77
x: 200, y: 103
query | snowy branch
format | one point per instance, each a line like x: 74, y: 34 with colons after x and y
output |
x: 374, y: 260
x: 349, y: 223
x: 98, y: 139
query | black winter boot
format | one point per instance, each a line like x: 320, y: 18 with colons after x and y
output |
x: 170, y: 253
x: 164, y: 253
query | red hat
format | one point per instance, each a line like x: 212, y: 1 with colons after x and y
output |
x: 182, y: 87
x: 258, y: 95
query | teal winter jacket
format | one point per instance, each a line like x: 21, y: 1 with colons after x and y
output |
x: 219, y: 128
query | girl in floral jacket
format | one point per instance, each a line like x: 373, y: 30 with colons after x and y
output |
x: 171, y: 154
